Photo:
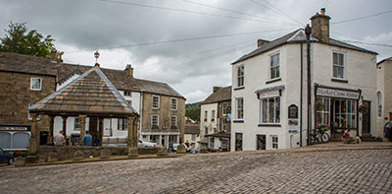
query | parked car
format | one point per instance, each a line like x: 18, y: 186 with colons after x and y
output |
x: 144, y: 144
x: 6, y: 158
x: 175, y: 145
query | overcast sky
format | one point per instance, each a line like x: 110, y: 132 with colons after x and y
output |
x: 209, y: 34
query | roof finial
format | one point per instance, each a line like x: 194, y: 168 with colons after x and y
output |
x: 96, y: 55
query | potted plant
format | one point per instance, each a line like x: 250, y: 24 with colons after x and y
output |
x: 323, y: 127
x: 319, y: 106
x: 363, y: 109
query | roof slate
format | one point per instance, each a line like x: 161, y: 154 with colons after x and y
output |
x: 220, y: 95
x: 297, y: 36
x: 192, y: 129
x: 92, y: 94
x: 20, y: 63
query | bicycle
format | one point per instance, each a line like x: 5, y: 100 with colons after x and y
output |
x: 319, y: 136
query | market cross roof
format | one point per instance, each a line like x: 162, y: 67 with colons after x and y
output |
x: 297, y: 36
x: 90, y: 94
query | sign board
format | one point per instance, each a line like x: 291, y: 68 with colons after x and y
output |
x: 293, y: 111
x: 293, y: 126
x: 337, y: 93
x: 14, y: 128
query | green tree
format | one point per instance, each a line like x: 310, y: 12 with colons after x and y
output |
x: 18, y: 39
x: 193, y: 111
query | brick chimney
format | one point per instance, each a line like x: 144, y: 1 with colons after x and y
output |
x: 129, y: 70
x: 320, y: 26
x: 261, y: 42
x: 215, y: 88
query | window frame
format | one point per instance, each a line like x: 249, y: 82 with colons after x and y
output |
x: 276, y: 111
x: 128, y: 93
x: 237, y: 116
x: 158, y: 102
x: 175, y: 104
x: 77, y: 124
x: 205, y: 115
x: 122, y: 124
x: 171, y: 121
x: 274, y: 142
x: 31, y: 84
x: 337, y: 65
x: 213, y: 115
x: 240, y: 78
x: 152, y: 120
x: 274, y: 66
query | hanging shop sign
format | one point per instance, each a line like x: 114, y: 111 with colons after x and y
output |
x: 293, y: 111
x: 338, y: 93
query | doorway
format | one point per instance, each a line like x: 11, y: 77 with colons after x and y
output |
x: 260, y: 142
x: 366, y: 119
x: 238, y: 141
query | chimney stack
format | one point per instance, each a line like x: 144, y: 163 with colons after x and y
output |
x: 261, y: 42
x: 320, y: 26
x: 129, y: 70
x: 215, y: 88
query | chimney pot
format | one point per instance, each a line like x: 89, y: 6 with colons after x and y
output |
x: 129, y: 70
x: 320, y: 26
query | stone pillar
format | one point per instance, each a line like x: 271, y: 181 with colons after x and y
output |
x: 100, y: 136
x: 65, y: 126
x: 82, y: 128
x: 34, y: 139
x: 51, y: 126
x: 132, y: 137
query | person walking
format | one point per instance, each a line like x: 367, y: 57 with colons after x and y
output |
x: 59, y: 139
x: 87, y: 139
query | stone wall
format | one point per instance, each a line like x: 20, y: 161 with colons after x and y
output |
x: 16, y: 95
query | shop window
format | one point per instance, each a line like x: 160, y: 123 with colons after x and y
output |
x: 240, y: 76
x: 270, y: 110
x: 122, y: 124
x: 240, y: 108
x: 36, y: 84
x: 379, y: 104
x: 275, y: 66
x: 274, y: 142
x: 345, y: 113
x: 338, y: 65
x: 323, y: 110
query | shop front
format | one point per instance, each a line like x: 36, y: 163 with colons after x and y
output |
x: 337, y: 108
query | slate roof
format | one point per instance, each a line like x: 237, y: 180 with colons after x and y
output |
x: 90, y: 94
x: 121, y: 80
x: 220, y: 95
x: 14, y: 62
x: 386, y: 59
x: 192, y: 129
x: 297, y: 36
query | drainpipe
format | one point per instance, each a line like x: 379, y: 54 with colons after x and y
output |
x: 308, y: 31
x: 301, y: 93
x: 141, y: 114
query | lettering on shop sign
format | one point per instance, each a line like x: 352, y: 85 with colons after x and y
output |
x: 337, y: 93
x: 12, y: 128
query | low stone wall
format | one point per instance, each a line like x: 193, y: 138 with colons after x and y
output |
x: 59, y: 153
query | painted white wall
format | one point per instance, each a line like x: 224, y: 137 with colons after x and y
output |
x: 360, y: 71
x: 384, y: 85
x: 209, y: 123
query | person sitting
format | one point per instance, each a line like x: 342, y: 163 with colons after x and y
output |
x: 59, y: 138
x: 97, y: 141
x: 87, y: 139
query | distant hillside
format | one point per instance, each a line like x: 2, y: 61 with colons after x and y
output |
x: 192, y: 110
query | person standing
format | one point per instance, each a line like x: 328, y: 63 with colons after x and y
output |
x: 87, y: 139
x: 59, y: 139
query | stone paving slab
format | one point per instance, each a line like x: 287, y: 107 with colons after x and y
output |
x: 363, y: 168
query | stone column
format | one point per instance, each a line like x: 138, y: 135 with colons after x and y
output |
x: 51, y: 126
x: 34, y: 139
x: 132, y: 137
x: 100, y: 130
x: 65, y: 126
x: 82, y: 128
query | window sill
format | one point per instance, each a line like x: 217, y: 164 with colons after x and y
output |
x: 238, y: 121
x: 269, y: 125
x: 35, y: 90
x: 273, y: 80
x: 339, y: 80
x: 239, y: 88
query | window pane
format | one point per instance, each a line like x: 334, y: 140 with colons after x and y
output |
x: 271, y: 110
x: 335, y: 58
x: 277, y: 114
x: 335, y: 71
x: 265, y: 111
x: 341, y: 59
x: 340, y: 72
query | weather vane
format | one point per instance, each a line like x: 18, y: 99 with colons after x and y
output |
x: 96, y: 55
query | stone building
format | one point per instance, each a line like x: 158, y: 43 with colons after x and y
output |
x: 162, y: 108
x: 215, y: 120
x: 384, y: 93
x: 192, y: 135
x: 24, y: 80
x: 270, y: 95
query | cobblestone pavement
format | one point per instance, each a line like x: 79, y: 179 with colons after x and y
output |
x: 333, y: 169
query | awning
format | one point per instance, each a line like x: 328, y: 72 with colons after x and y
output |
x: 269, y: 92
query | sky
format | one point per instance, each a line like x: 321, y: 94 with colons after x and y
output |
x: 189, y: 44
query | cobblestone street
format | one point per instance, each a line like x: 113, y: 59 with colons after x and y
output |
x: 364, y: 168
